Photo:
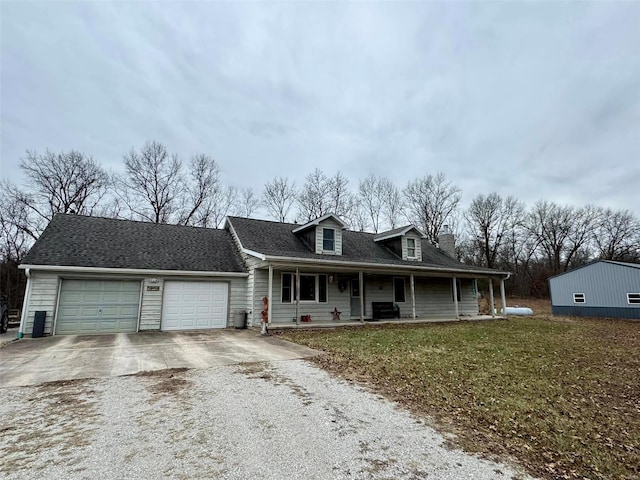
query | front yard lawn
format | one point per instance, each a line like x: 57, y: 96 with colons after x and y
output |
x: 561, y: 396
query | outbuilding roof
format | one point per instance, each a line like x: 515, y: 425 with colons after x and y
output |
x: 595, y: 262
x: 81, y: 241
x: 276, y: 239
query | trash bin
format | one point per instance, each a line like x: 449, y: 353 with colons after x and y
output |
x: 38, y: 324
x: 240, y: 320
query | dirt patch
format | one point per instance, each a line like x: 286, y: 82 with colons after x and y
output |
x: 60, y: 420
x: 265, y: 372
x: 166, y: 382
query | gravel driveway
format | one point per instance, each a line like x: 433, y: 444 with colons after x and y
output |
x: 279, y: 420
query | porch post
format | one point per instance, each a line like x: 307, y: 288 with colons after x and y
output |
x: 297, y: 295
x: 413, y: 297
x: 361, y: 285
x: 269, y: 312
x: 455, y: 295
x: 503, y: 298
x: 491, y: 301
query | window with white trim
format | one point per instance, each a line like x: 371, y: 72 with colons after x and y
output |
x: 579, y: 298
x: 633, y: 298
x: 313, y: 288
x: 399, y: 289
x: 328, y: 239
x: 411, y: 248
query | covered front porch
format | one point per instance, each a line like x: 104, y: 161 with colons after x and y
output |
x: 301, y: 295
x: 405, y: 321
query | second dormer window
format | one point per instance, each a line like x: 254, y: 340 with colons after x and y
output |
x: 328, y: 239
x: 411, y: 248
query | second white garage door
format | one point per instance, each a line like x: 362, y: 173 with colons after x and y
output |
x: 194, y: 305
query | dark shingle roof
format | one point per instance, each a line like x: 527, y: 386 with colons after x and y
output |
x: 74, y: 240
x: 396, y: 232
x: 277, y: 239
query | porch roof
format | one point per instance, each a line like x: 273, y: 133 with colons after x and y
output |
x: 276, y: 242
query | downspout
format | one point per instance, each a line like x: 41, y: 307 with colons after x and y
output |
x: 25, y: 302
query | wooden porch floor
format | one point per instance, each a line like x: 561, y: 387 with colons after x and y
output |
x: 356, y: 323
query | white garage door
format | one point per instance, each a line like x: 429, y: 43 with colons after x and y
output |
x: 98, y: 306
x: 194, y: 305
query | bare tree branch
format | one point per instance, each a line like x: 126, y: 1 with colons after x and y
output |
x: 431, y: 200
x: 278, y: 197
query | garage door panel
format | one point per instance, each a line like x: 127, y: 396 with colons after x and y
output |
x: 98, y: 306
x: 194, y: 305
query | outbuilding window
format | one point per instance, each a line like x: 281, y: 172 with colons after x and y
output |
x: 579, y: 298
x: 633, y: 298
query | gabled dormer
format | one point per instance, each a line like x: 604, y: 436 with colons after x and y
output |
x: 406, y: 242
x: 325, y: 233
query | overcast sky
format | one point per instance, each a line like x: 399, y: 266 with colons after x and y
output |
x: 537, y: 100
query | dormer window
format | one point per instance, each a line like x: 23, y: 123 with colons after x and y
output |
x: 328, y: 239
x: 411, y: 248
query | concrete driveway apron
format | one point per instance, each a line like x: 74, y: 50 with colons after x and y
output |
x: 34, y: 361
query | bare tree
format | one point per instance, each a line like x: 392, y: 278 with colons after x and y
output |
x: 57, y: 183
x: 370, y: 201
x: 153, y: 183
x: 489, y: 220
x: 221, y: 202
x: 360, y: 219
x: 278, y: 197
x: 431, y: 200
x: 204, y: 176
x: 314, y: 200
x: 617, y: 235
x: 64, y: 182
x: 561, y: 232
x: 392, y: 203
x: 247, y: 203
x: 321, y: 195
x: 15, y: 235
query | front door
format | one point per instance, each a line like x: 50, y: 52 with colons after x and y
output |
x: 355, y: 298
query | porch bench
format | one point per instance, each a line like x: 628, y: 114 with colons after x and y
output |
x: 382, y: 310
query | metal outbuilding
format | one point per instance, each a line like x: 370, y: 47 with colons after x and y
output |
x: 600, y: 289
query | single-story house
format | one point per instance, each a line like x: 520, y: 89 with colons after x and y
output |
x: 603, y: 288
x: 101, y: 275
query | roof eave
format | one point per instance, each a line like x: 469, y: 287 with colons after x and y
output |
x: 317, y: 221
x: 400, y: 234
x: 385, y: 266
x: 131, y: 271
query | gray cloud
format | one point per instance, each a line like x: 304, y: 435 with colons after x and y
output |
x: 536, y: 100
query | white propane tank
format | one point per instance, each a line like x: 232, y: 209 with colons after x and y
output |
x: 518, y: 311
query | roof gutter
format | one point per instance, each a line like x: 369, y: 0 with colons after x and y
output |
x: 131, y: 271
x: 384, y: 266
x: 253, y: 254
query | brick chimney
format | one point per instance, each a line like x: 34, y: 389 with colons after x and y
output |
x: 446, y: 241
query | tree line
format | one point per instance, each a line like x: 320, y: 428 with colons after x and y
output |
x: 534, y: 242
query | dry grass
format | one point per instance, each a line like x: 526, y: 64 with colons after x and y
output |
x: 560, y: 395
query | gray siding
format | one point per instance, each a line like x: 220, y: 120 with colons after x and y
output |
x: 418, y: 257
x: 434, y: 298
x: 44, y: 287
x: 605, y: 286
x: 329, y: 223
x: 237, y: 297
x: 43, y: 295
x: 151, y: 308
